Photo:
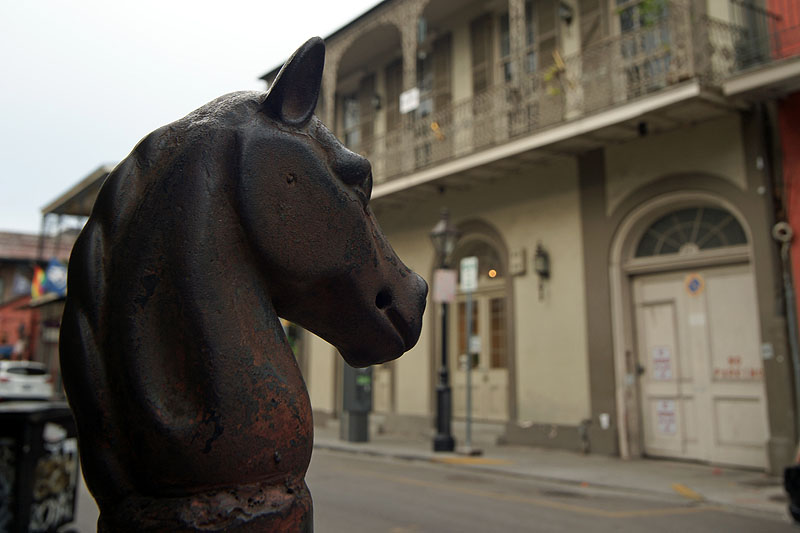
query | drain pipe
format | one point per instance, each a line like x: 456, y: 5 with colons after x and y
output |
x: 782, y: 233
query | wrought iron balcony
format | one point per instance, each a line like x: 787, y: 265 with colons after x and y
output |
x: 659, y: 54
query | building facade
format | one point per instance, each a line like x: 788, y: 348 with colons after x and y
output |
x: 607, y: 134
x: 23, y: 333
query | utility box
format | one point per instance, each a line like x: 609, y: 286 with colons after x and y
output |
x: 39, y: 466
x: 356, y: 404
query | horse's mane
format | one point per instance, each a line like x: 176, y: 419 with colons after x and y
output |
x: 127, y: 190
x: 129, y: 184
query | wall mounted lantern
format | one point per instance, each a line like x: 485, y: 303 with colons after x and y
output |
x: 444, y: 236
x: 541, y: 265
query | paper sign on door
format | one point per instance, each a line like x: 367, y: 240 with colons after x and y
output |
x: 662, y: 363
x: 666, y: 422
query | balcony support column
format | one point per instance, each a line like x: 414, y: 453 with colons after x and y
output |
x: 408, y: 22
x: 408, y: 29
x: 516, y: 28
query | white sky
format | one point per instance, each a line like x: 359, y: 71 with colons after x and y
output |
x: 82, y: 81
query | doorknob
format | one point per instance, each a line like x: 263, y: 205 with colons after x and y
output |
x: 640, y: 370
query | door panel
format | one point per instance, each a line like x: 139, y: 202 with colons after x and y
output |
x: 490, y: 371
x: 735, y: 368
x: 382, y: 388
x: 659, y: 356
x: 701, y: 390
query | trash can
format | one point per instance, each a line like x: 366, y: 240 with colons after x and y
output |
x: 356, y: 404
x: 38, y: 466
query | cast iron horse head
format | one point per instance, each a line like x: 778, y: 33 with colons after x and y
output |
x: 191, y: 410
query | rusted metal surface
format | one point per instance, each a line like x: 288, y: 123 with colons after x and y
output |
x: 191, y: 410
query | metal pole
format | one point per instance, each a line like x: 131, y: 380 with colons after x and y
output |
x: 468, y: 440
x: 443, y: 441
x: 782, y: 233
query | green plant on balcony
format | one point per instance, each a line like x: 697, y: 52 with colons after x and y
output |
x: 556, y: 76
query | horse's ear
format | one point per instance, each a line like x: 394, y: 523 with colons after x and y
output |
x: 293, y: 95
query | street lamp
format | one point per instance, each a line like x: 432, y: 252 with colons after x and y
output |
x: 444, y: 237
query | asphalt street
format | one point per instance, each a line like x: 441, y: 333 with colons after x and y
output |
x: 368, y: 494
x: 357, y: 493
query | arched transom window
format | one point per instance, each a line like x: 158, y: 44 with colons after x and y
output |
x: 690, y: 230
x: 489, y: 265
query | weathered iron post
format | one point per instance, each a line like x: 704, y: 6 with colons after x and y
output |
x: 191, y: 411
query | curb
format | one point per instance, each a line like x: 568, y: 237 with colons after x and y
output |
x: 688, y: 496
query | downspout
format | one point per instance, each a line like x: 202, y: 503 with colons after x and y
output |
x: 782, y: 233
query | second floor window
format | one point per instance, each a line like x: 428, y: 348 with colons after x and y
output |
x: 350, y: 121
x: 530, y: 39
x: 645, y: 43
x: 505, y: 48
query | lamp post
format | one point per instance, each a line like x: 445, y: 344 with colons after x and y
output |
x: 444, y: 237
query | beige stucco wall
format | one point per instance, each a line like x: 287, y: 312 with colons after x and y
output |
x: 412, y: 370
x: 549, y: 335
x: 551, y: 347
x: 713, y: 147
x: 322, y: 371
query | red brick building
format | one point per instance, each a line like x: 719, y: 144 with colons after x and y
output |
x: 19, y: 253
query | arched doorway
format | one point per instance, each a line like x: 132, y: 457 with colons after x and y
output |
x: 491, y: 323
x: 690, y: 333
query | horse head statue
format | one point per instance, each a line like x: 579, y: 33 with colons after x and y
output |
x: 192, y: 413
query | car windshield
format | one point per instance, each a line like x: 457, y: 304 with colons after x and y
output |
x: 27, y: 371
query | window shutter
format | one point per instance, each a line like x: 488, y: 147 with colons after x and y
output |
x: 481, y: 33
x: 592, y: 26
x: 366, y: 90
x: 394, y: 86
x: 546, y: 26
x: 442, y: 90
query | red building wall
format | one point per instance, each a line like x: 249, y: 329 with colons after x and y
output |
x: 786, y: 43
x: 786, y: 31
x: 12, y: 315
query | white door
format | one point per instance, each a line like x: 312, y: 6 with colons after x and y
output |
x: 382, y: 387
x: 702, y: 380
x: 490, y: 370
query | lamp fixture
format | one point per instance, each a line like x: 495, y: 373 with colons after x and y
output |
x: 541, y: 265
x: 444, y: 236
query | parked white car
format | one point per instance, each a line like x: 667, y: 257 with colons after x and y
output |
x: 25, y: 380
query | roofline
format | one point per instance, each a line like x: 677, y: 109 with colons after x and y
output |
x: 46, y: 298
x: 334, y: 34
x: 78, y: 187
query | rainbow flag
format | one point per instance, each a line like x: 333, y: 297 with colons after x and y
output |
x: 37, y: 283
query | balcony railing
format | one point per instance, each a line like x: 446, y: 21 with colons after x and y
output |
x: 672, y: 49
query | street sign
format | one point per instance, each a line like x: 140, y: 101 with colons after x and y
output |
x: 409, y: 100
x: 469, y: 274
x: 474, y: 344
x: 444, y: 286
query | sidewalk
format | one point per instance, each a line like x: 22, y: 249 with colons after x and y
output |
x: 736, y: 489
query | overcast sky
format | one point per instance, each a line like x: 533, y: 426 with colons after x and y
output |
x: 82, y: 81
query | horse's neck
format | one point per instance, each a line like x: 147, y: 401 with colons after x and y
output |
x: 231, y: 292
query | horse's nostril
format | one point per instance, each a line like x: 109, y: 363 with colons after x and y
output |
x: 383, y: 299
